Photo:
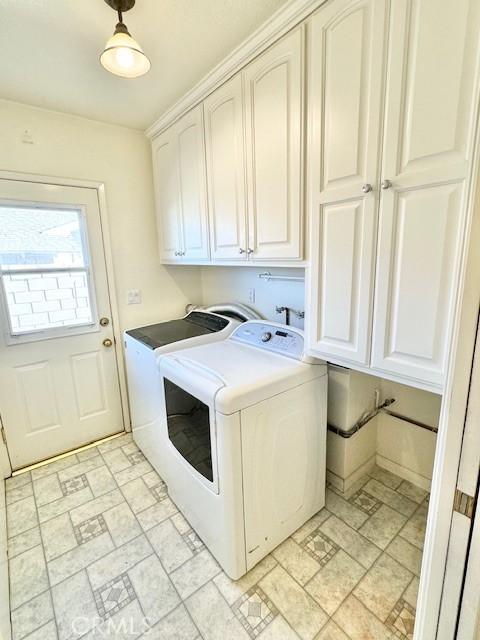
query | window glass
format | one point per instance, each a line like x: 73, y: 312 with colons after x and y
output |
x: 45, y: 268
x: 40, y: 238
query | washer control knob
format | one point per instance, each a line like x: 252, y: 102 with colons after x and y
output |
x: 266, y: 336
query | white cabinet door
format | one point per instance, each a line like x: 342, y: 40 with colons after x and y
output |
x: 428, y: 140
x: 224, y: 138
x: 344, y: 113
x: 192, y: 185
x: 165, y: 175
x: 274, y: 114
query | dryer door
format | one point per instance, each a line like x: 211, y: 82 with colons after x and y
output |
x: 189, y: 429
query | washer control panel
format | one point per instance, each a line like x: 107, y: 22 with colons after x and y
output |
x: 287, y: 341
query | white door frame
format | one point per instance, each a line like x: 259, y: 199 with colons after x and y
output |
x: 107, y: 250
x: 452, y: 421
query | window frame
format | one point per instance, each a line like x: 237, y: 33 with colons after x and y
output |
x: 48, y: 333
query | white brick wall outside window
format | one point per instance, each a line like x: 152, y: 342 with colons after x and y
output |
x: 43, y: 301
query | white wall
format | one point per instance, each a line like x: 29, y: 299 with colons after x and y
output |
x: 228, y: 284
x: 72, y: 147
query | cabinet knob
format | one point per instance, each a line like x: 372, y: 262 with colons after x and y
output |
x: 177, y: 253
x: 250, y: 251
x: 387, y: 184
x: 241, y: 250
x: 367, y: 188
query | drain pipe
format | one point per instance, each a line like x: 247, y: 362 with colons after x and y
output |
x: 366, y: 417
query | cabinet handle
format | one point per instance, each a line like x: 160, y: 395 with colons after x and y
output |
x: 250, y: 251
x: 387, y: 184
x: 241, y: 250
x: 367, y: 188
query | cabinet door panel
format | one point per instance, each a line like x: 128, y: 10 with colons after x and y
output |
x: 429, y: 125
x: 417, y: 246
x: 166, y: 191
x: 192, y: 179
x: 273, y: 100
x: 429, y: 98
x: 343, y: 114
x: 346, y: 232
x: 224, y: 135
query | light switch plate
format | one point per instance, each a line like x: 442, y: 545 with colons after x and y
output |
x: 134, y: 296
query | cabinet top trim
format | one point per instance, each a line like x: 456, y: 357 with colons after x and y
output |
x: 287, y: 17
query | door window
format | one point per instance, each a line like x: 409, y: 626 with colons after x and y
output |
x: 45, y: 270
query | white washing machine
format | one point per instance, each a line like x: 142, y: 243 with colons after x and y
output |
x: 142, y: 348
x: 245, y: 423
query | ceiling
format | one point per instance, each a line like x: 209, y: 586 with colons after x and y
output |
x: 49, y: 52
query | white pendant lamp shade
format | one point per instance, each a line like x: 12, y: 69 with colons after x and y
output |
x: 123, y: 56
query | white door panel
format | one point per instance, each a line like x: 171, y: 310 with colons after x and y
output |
x: 429, y: 93
x: 417, y: 249
x: 274, y: 112
x: 427, y: 153
x: 347, y: 41
x: 59, y: 386
x: 224, y: 137
x: 192, y: 184
x: 165, y: 172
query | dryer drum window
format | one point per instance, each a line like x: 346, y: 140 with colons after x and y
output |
x: 188, y: 421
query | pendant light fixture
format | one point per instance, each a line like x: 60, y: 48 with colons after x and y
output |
x: 122, y: 55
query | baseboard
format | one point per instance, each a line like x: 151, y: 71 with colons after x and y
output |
x: 359, y: 473
x: 344, y: 484
x: 407, y: 474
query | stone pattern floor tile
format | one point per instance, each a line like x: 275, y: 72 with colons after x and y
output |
x: 97, y: 549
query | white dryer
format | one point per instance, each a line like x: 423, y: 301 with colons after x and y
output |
x: 142, y: 347
x: 245, y: 427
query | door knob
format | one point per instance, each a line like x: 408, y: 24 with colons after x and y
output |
x: 386, y: 184
x: 367, y: 188
x: 107, y: 342
x: 104, y: 322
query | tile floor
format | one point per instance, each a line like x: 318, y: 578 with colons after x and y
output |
x: 98, y: 550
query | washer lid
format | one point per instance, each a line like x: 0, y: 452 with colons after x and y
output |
x: 232, y: 376
x: 196, y: 323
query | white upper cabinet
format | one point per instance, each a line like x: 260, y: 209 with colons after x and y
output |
x: 345, y: 96
x: 224, y: 137
x: 399, y: 117
x: 180, y: 186
x: 430, y: 114
x: 274, y: 124
x: 165, y: 172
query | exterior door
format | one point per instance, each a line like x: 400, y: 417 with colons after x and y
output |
x: 428, y: 141
x: 59, y: 386
x: 274, y: 114
x: 192, y: 185
x: 224, y: 138
x: 344, y: 115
